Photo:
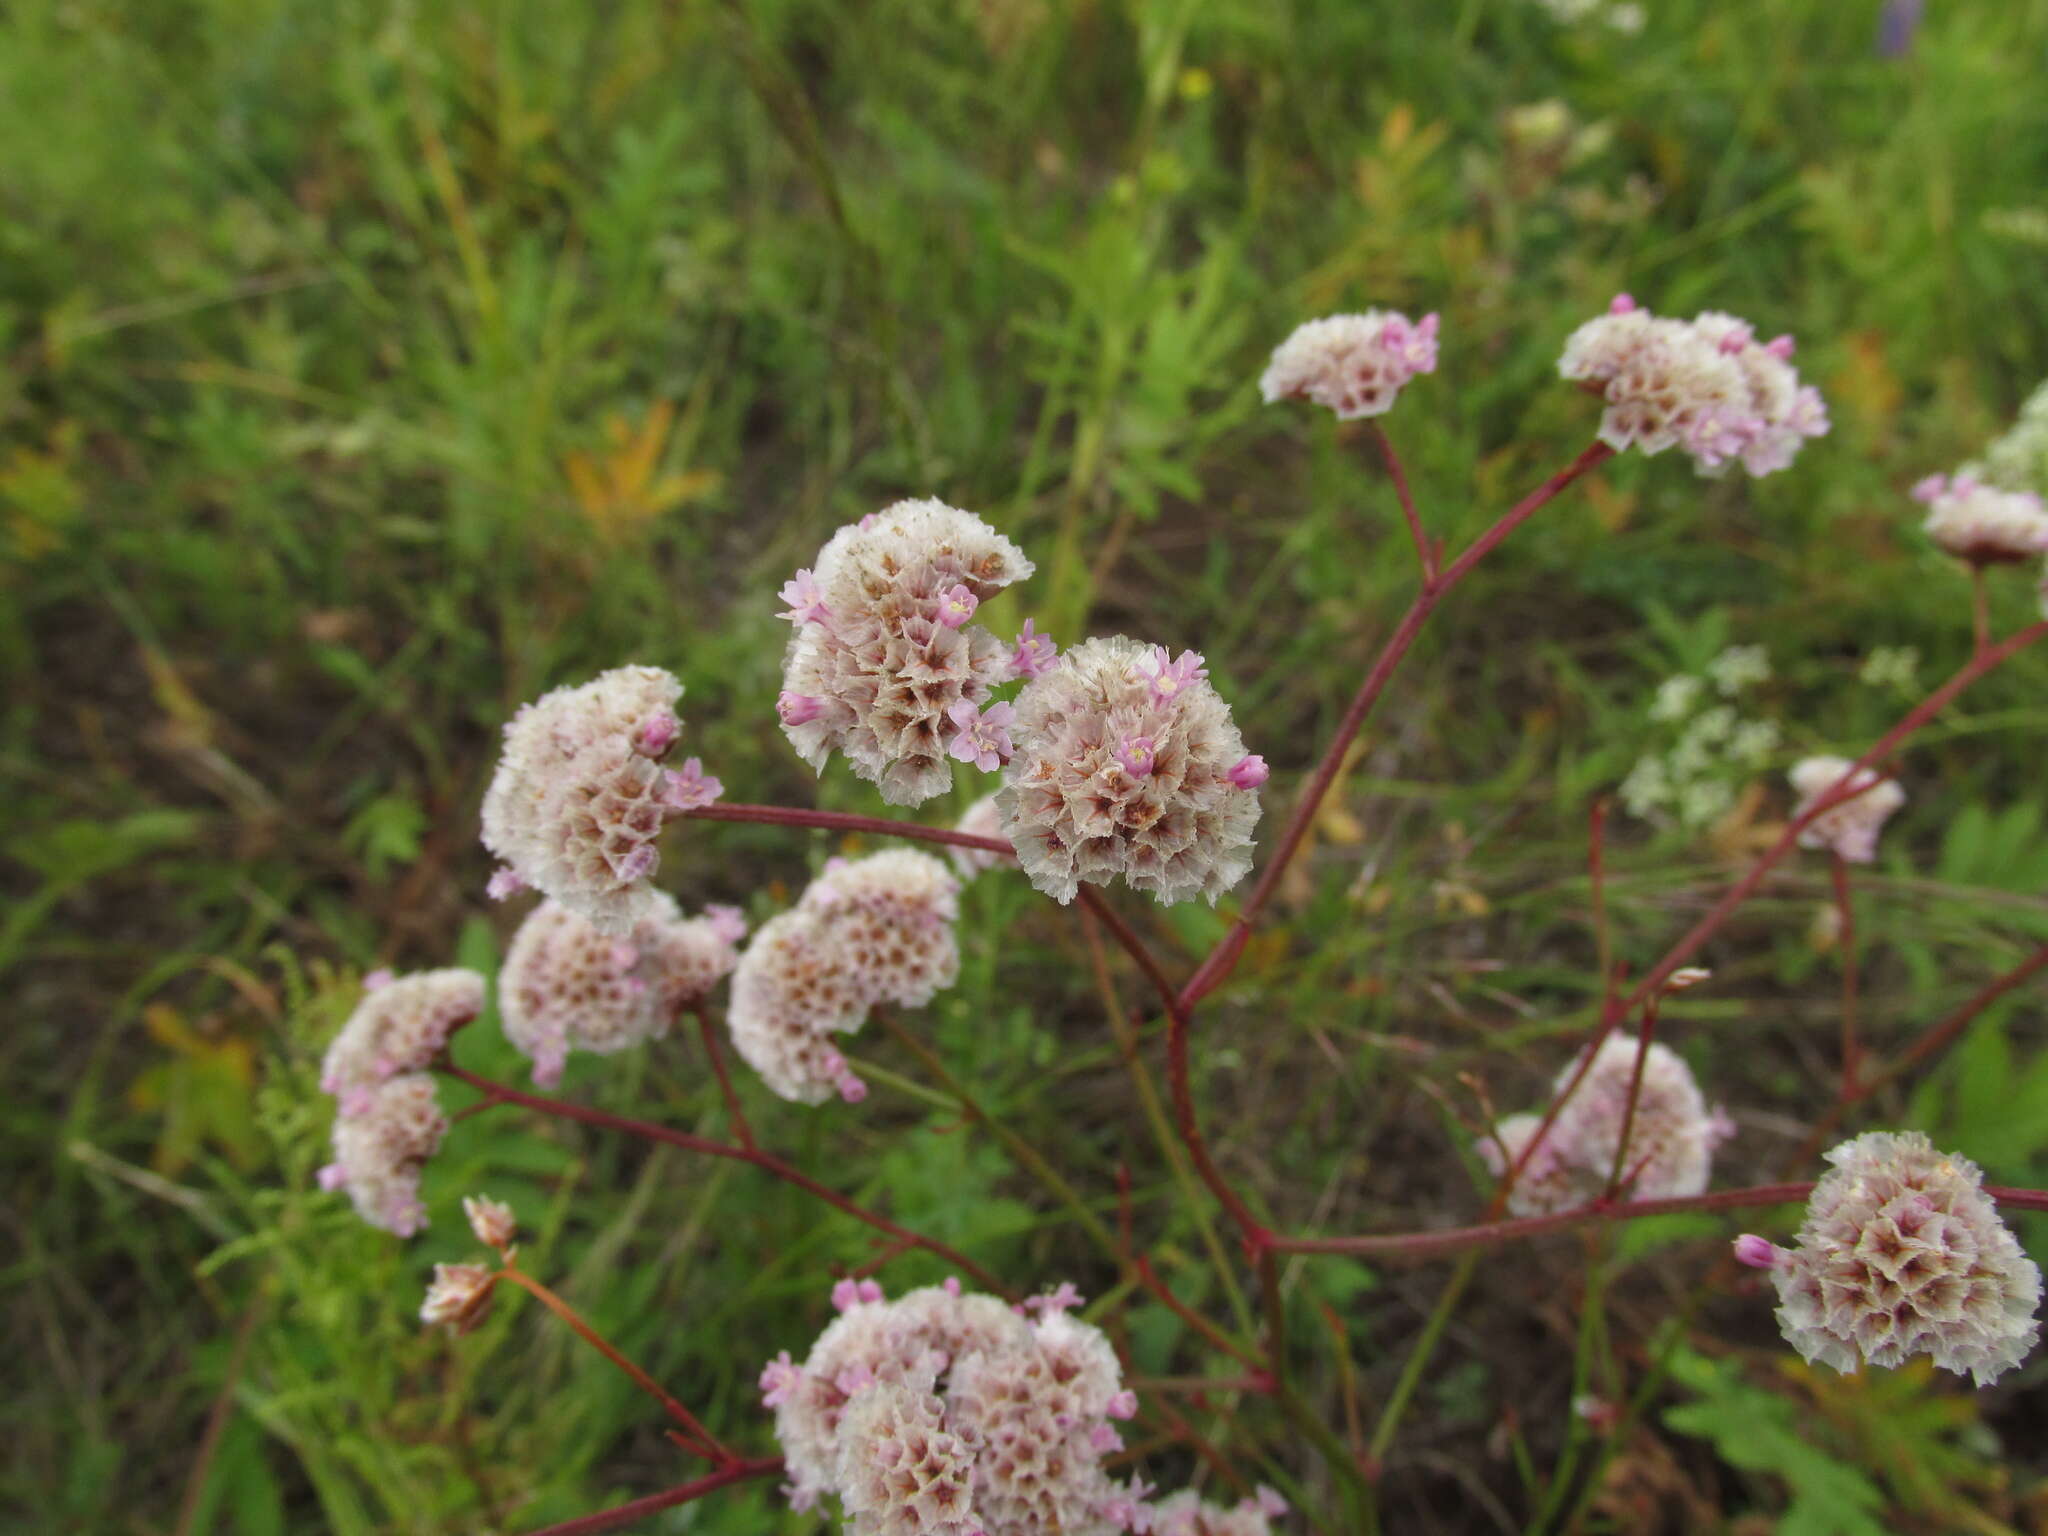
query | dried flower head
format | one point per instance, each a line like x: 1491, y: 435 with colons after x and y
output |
x: 565, y: 986
x: 1671, y: 1138
x: 580, y: 795
x: 1901, y: 1254
x: 1354, y: 365
x: 459, y: 1295
x: 980, y: 819
x: 1848, y: 830
x: 1705, y: 386
x: 885, y: 658
x: 381, y: 1145
x: 400, y: 1025
x: 866, y: 931
x: 1076, y: 809
x: 491, y: 1220
x: 944, y: 1412
x: 1980, y: 523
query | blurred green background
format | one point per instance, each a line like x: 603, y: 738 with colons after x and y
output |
x: 370, y: 368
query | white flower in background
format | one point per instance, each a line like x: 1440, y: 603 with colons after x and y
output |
x: 1891, y: 666
x: 1739, y: 667
x: 1676, y: 697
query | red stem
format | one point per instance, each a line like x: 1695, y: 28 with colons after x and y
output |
x: 1424, y: 550
x: 1187, y: 1314
x: 766, y: 1162
x: 639, y: 1509
x: 1415, y: 1245
x: 738, y: 1116
x: 1628, y: 1113
x: 843, y: 821
x: 1218, y: 965
x: 1838, y: 868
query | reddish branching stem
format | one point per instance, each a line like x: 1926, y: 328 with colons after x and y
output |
x: 1149, y: 1278
x: 842, y: 821
x: 1425, y: 550
x: 631, y: 1513
x: 766, y: 1162
x: 1423, y: 1245
x: 738, y: 1116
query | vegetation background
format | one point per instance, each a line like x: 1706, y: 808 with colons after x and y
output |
x: 366, y: 369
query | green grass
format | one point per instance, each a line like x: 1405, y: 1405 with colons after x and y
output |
x: 369, y: 369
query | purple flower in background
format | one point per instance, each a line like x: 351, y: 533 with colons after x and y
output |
x: 1896, y: 26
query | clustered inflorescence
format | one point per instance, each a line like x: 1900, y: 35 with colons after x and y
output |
x: 1354, y: 365
x: 388, y: 1118
x: 1127, y: 763
x: 1671, y: 1139
x: 866, y: 932
x: 1706, y: 386
x: 580, y: 795
x: 566, y: 986
x: 1902, y: 1253
x: 1980, y: 524
x: 950, y: 1414
x: 886, y: 666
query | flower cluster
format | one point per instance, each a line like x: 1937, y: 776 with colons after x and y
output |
x: 1671, y: 1139
x: 1708, y: 747
x: 1354, y: 365
x: 1902, y: 1253
x: 885, y: 666
x: 1706, y: 386
x: 388, y: 1118
x: 566, y: 986
x: 1981, y: 524
x: 866, y: 931
x: 580, y: 795
x: 943, y: 1414
x: 1848, y: 830
x: 1128, y: 763
x: 2018, y: 461
x: 1187, y: 1514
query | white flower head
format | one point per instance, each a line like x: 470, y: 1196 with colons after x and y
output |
x: 580, y: 795
x: 1354, y: 365
x: 400, y: 1026
x: 1124, y: 766
x: 1848, y: 830
x: 380, y: 1148
x: 884, y: 652
x: 1980, y: 523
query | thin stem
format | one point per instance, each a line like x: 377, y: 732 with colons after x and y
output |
x: 639, y: 1509
x: 1027, y: 1156
x: 1155, y: 1116
x: 1635, y: 1094
x: 842, y: 821
x: 1428, y: 1244
x: 1845, y: 909
x: 1187, y: 1314
x: 1418, y: 1359
x: 699, y: 1439
x: 716, y: 1052
x: 1424, y: 550
x: 1224, y: 956
x: 766, y: 1162
x: 1275, y: 1301
x: 1980, y: 609
x: 1596, y: 874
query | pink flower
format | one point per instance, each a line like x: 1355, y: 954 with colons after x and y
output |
x: 1930, y: 488
x: 657, y: 735
x: 1035, y: 653
x: 1122, y: 1406
x: 381, y: 977
x: 984, y: 736
x: 780, y: 1379
x: 1756, y: 1252
x: 806, y: 600
x: 1135, y: 753
x: 504, y: 882
x: 1168, y: 677
x: 957, y: 606
x: 798, y: 708
x: 333, y: 1176
x: 1062, y: 1298
x: 728, y: 924
x: 691, y: 788
x: 1621, y: 304
x: 1270, y: 1503
x: 1247, y: 772
x: 847, y: 1294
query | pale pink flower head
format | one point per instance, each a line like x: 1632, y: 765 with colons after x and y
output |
x: 797, y: 708
x: 1248, y: 772
x: 896, y: 650
x: 400, y: 1025
x: 1136, y: 755
x: 1756, y: 1252
x: 578, y: 801
x: 1980, y: 523
x: 1705, y: 386
x: 1901, y: 1254
x: 1848, y: 830
x: 1034, y: 653
x: 1187, y: 1514
x: 1074, y: 809
x: 806, y: 600
x: 459, y: 1297
x: 565, y: 986
x: 982, y: 736
x: 380, y: 1150
x: 867, y: 931
x: 981, y: 819
x: 491, y: 1220
x: 1354, y: 365
x: 690, y: 788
